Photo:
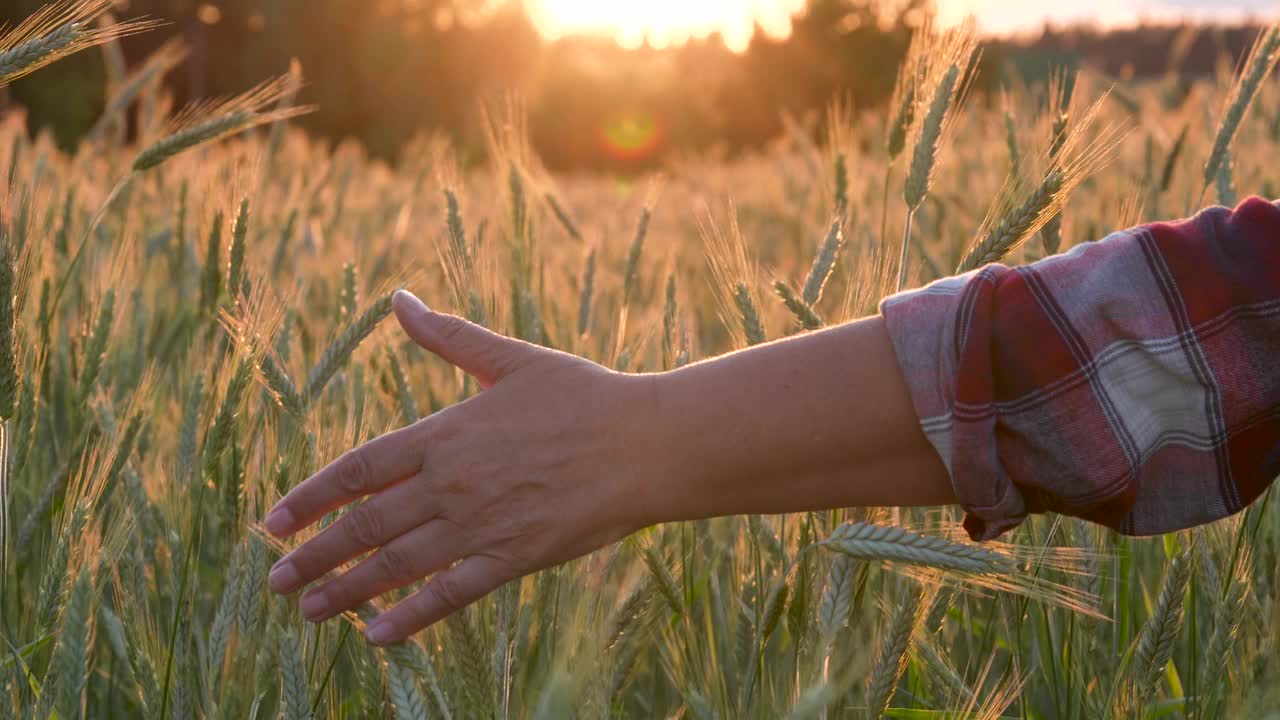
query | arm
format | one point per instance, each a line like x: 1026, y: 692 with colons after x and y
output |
x: 1132, y: 382
x: 559, y: 456
x: 816, y: 421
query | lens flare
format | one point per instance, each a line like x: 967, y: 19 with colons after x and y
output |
x: 630, y: 135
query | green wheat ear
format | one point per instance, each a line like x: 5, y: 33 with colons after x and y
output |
x: 340, y: 350
x: 56, y: 31
x: 926, y: 150
x: 1262, y: 58
x: 205, y: 122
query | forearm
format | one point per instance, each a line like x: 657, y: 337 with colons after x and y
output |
x: 816, y: 421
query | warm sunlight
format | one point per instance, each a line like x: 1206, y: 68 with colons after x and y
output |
x: 671, y: 22
x: 664, y: 22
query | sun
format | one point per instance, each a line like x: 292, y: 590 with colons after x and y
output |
x: 664, y: 22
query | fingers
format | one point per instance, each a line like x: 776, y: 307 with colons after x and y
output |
x: 378, y: 463
x: 368, y: 526
x: 446, y: 593
x: 486, y: 356
x: 412, y: 556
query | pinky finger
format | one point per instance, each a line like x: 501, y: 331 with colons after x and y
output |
x: 447, y: 592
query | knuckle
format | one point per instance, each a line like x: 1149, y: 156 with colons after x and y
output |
x: 339, y: 594
x: 448, y: 593
x: 363, y: 526
x: 395, y: 564
x: 352, y: 472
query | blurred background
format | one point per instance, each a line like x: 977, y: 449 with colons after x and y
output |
x: 621, y: 86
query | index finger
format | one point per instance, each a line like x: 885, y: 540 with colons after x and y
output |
x: 381, y: 462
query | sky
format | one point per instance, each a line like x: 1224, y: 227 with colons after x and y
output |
x: 666, y: 22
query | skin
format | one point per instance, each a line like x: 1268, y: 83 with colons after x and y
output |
x: 560, y: 456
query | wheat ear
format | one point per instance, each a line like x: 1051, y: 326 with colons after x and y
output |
x: 1261, y: 59
x: 891, y: 660
x: 865, y: 541
x: 1017, y: 225
x: 208, y: 121
x: 55, y: 31
x: 1155, y: 644
x: 339, y: 351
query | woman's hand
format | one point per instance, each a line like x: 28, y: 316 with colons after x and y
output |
x: 544, y: 466
x: 559, y: 456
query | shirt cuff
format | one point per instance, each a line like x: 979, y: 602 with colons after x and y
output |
x: 929, y: 327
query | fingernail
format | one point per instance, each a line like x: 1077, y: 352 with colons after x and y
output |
x: 314, y: 605
x: 409, y: 301
x: 279, y: 521
x: 378, y: 633
x: 284, y: 576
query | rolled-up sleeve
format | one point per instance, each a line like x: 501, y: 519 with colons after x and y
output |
x: 1133, y: 381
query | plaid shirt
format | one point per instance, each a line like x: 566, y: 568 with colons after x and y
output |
x: 1133, y: 381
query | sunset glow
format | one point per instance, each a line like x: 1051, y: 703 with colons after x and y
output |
x: 671, y: 22
x: 664, y: 22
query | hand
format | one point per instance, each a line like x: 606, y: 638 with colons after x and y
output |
x: 542, y: 467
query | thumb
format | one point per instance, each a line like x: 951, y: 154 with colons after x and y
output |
x: 485, y: 355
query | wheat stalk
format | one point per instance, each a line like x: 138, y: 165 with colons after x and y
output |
x: 891, y: 659
x: 752, y: 328
x: 293, y: 681
x: 188, y: 429
x: 408, y: 406
x: 1017, y: 225
x: 9, y: 387
x: 1227, y: 618
x: 252, y: 582
x: 168, y: 56
x: 55, y: 31
x: 1011, y: 140
x: 1259, y: 63
x: 1062, y: 87
x: 472, y: 659
x: 669, y: 319
x: 588, y: 289
x: 235, y: 265
x: 1171, y: 162
x: 1160, y: 633
x: 281, y: 385
x: 287, y: 99
x: 823, y: 263
x: 207, y: 121
x: 837, y: 593
x: 874, y: 543
x: 349, y: 295
x: 924, y: 156
x: 457, y: 232
x: 211, y: 276
x: 97, y: 345
x: 224, y: 618
x: 340, y: 350
x: 903, y: 118
x: 841, y: 199
x: 69, y: 668
x: 220, y: 434
x: 566, y: 220
x: 1078, y: 155
x: 804, y: 313
x: 666, y: 584
x: 1225, y: 180
x: 632, y: 269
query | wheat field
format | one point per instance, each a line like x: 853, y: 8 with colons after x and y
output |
x: 193, y: 321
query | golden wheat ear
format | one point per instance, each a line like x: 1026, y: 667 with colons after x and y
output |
x: 210, y: 120
x: 56, y: 31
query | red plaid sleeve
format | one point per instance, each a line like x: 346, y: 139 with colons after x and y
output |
x: 1133, y: 381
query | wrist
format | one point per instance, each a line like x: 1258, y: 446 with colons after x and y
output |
x: 655, y: 487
